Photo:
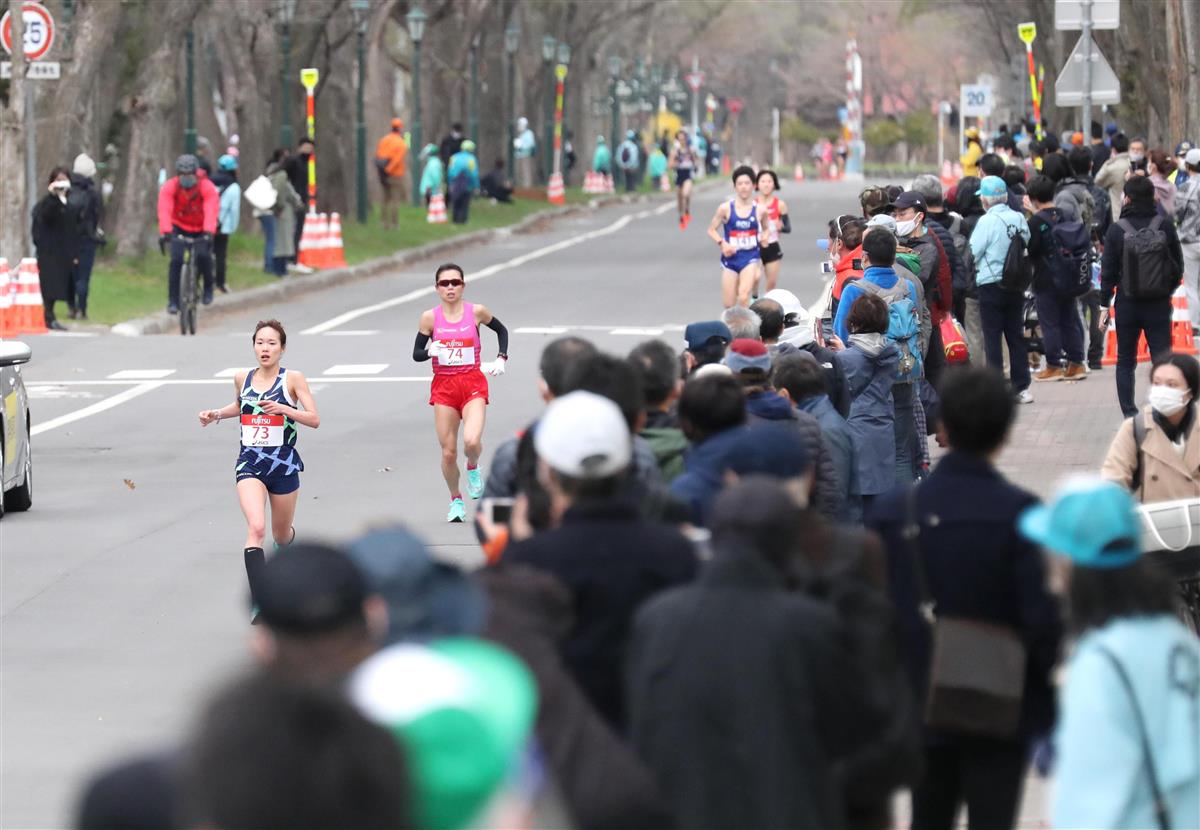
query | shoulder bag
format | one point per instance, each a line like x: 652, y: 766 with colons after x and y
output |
x: 977, y: 669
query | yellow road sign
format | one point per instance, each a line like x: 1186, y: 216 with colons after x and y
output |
x: 1027, y: 32
x: 309, y: 78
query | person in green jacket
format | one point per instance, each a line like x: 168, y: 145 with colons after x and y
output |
x: 433, y: 175
x: 659, y: 368
x: 602, y: 159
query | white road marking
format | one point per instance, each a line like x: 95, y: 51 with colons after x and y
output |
x: 515, y: 262
x: 54, y: 392
x: 664, y: 207
x: 540, y: 330
x: 355, y: 369
x: 141, y: 374
x: 638, y: 332
x: 352, y: 333
x: 96, y: 408
x: 221, y: 382
x: 230, y: 372
x: 73, y: 334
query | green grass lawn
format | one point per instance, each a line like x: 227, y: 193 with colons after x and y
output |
x: 124, y: 288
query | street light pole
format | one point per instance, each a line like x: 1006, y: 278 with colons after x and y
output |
x: 416, y: 30
x: 189, y: 133
x: 548, y: 49
x: 473, y: 115
x: 512, y: 40
x: 287, y: 9
x: 614, y: 69
x: 361, y: 10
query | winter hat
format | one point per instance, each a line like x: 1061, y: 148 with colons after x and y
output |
x: 428, y: 150
x: 583, y: 435
x: 227, y: 162
x: 469, y: 146
x: 397, y: 124
x: 84, y: 166
x: 462, y: 709
x: 1192, y: 157
x: 746, y: 355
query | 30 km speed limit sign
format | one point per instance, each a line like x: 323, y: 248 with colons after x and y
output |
x: 39, y: 31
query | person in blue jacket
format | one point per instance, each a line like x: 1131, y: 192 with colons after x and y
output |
x: 712, y: 414
x: 1128, y: 736
x: 462, y: 174
x: 228, y: 216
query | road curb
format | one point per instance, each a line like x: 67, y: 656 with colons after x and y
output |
x: 294, y: 286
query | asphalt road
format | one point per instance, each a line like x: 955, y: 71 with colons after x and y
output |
x: 122, y: 591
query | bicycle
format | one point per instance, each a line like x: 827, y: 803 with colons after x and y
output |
x: 189, y: 286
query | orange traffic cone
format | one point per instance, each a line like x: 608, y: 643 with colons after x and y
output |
x: 1181, y: 324
x: 589, y: 183
x: 335, y: 252
x: 799, y: 175
x: 1110, y: 344
x: 8, y: 325
x: 312, y: 238
x: 437, y: 209
x: 27, y: 301
x: 948, y: 179
x: 555, y: 193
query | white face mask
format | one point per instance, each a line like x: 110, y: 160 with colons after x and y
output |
x: 1136, y: 157
x: 906, y: 227
x: 1167, y: 400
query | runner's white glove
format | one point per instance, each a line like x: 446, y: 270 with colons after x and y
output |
x: 434, y: 349
x: 495, y: 368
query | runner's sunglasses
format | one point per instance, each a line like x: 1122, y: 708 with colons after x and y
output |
x: 450, y: 283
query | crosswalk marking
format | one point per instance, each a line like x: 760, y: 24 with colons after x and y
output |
x: 141, y: 374
x: 356, y: 369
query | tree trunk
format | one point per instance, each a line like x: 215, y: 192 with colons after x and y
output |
x: 14, y: 217
x: 151, y: 136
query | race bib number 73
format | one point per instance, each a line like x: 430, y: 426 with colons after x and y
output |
x: 262, y: 430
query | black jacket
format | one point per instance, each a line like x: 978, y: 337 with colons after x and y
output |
x: 603, y: 784
x: 1140, y: 216
x: 743, y: 698
x: 978, y: 567
x: 88, y: 206
x: 1040, y: 225
x: 56, y: 237
x: 611, y: 560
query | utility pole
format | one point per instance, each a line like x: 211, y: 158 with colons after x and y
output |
x: 189, y: 133
x: 1087, y: 67
x: 695, y: 99
x: 18, y: 187
x: 473, y: 106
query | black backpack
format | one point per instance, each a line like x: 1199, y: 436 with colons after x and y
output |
x: 1102, y: 216
x: 1146, y: 271
x: 1069, y: 258
x: 1018, y: 271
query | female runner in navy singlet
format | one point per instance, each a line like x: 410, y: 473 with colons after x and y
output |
x: 269, y: 401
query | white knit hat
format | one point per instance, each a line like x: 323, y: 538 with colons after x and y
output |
x: 84, y: 166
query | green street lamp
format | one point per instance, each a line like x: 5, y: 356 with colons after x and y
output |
x: 614, y: 70
x: 287, y: 13
x: 361, y: 9
x: 416, y: 30
x: 512, y: 41
x: 549, y: 45
x: 189, y: 132
x: 473, y: 115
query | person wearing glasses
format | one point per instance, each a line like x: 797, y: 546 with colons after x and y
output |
x: 449, y: 334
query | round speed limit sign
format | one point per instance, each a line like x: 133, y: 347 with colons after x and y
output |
x: 39, y: 31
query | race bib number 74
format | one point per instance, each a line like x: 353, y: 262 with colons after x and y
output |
x: 456, y: 352
x: 262, y: 430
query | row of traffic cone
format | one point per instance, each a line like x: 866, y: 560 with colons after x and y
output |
x: 594, y: 183
x: 21, y: 309
x: 321, y: 241
x: 1182, y: 340
x: 437, y: 209
x: 556, y: 194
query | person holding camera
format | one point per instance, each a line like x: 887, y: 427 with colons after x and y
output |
x: 55, y: 234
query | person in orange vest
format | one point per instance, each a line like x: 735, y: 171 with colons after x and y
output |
x: 391, y: 156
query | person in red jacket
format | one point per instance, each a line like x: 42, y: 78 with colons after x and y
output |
x: 188, y: 205
x: 848, y: 250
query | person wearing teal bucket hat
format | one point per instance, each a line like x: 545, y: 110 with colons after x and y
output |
x: 1128, y: 736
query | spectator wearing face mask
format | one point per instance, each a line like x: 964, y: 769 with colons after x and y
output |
x: 55, y: 235
x: 1111, y: 175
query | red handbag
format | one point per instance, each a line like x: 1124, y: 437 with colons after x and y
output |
x: 954, y: 342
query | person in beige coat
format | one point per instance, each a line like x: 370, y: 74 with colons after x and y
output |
x: 1170, y: 450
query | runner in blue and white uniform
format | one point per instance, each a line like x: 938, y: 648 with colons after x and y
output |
x: 269, y: 402
x: 739, y: 234
x: 683, y: 162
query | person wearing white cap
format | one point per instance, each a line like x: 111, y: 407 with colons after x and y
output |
x: 609, y: 558
x: 1187, y: 217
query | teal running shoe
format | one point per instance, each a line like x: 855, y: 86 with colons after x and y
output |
x: 458, y: 511
x: 474, y: 483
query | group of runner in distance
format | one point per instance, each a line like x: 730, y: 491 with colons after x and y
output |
x: 270, y: 401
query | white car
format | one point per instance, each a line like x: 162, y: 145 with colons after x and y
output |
x: 16, y: 455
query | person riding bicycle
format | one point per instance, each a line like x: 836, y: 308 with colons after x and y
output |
x: 188, y: 205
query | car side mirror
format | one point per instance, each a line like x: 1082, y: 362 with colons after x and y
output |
x: 13, y: 353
